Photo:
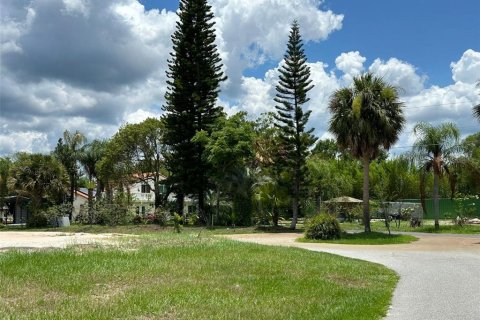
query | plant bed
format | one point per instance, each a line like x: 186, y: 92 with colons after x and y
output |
x: 362, y: 238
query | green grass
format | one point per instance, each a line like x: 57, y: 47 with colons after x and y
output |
x: 372, y: 238
x: 184, y: 276
x: 428, y: 227
x: 155, y: 229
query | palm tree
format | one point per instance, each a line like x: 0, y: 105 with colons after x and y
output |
x: 89, y: 156
x: 435, y: 148
x: 366, y: 119
x: 67, y: 152
x: 476, y: 109
x: 38, y: 177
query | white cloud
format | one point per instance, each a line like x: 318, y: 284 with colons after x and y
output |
x: 467, y: 69
x: 351, y: 64
x: 26, y: 141
x: 400, y: 74
x: 251, y: 32
x: 139, y: 116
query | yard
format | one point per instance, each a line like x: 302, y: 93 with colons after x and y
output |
x: 190, y: 275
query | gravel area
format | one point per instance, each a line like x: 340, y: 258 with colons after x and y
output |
x: 38, y: 240
x: 439, y: 274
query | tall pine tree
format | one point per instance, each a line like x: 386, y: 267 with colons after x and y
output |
x: 293, y: 85
x: 194, y: 75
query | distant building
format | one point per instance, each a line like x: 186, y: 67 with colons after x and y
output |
x: 17, y: 209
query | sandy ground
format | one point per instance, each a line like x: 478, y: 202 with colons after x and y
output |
x: 38, y: 240
x: 439, y: 274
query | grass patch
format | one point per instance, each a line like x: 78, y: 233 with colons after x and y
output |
x: 362, y: 238
x: 427, y: 227
x: 184, y: 276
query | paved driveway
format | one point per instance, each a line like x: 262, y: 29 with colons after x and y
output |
x: 439, y: 274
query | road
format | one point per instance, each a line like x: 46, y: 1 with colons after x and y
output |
x: 439, y: 274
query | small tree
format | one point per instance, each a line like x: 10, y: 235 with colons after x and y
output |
x: 435, y: 148
x: 293, y: 86
x: 89, y: 156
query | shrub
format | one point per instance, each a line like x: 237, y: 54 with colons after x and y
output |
x: 37, y: 220
x: 161, y: 217
x: 322, y: 227
x: 137, y: 219
x: 177, y: 222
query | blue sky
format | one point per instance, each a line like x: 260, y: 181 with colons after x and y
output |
x: 93, y: 66
x: 427, y: 33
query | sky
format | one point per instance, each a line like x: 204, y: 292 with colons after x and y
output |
x: 93, y: 66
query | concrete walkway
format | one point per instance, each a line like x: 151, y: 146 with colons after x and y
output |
x: 439, y: 274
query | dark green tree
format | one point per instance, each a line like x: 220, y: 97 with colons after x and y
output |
x: 194, y: 76
x: 39, y: 177
x: 293, y: 86
x: 366, y: 119
x: 230, y: 153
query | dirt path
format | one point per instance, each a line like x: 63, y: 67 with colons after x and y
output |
x: 38, y: 240
x: 439, y: 274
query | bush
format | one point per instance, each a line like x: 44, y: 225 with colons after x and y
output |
x: 37, y: 220
x: 322, y: 227
x: 162, y: 216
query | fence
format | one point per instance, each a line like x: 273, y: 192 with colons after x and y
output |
x: 450, y: 208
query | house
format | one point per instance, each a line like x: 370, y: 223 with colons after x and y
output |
x: 80, y: 201
x: 143, y: 197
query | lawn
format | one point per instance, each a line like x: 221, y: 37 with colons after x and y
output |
x: 372, y: 238
x: 428, y: 227
x: 187, y: 276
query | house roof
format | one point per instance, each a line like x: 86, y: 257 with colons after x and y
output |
x: 146, y: 175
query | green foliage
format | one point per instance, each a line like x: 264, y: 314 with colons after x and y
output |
x: 293, y: 85
x: 229, y: 151
x: 39, y: 177
x: 434, y: 149
x: 366, y: 119
x: 37, y: 220
x: 68, y: 152
x: 322, y: 227
x: 194, y: 76
x: 5, y: 164
x: 379, y: 122
x: 177, y: 222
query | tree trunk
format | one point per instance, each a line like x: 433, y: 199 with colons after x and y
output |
x: 318, y: 203
x: 275, y: 216
x: 158, y: 199
x: 435, y: 201
x: 366, y: 206
x: 90, y: 205
x: 72, y: 196
x: 218, y: 202
x: 180, y: 204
